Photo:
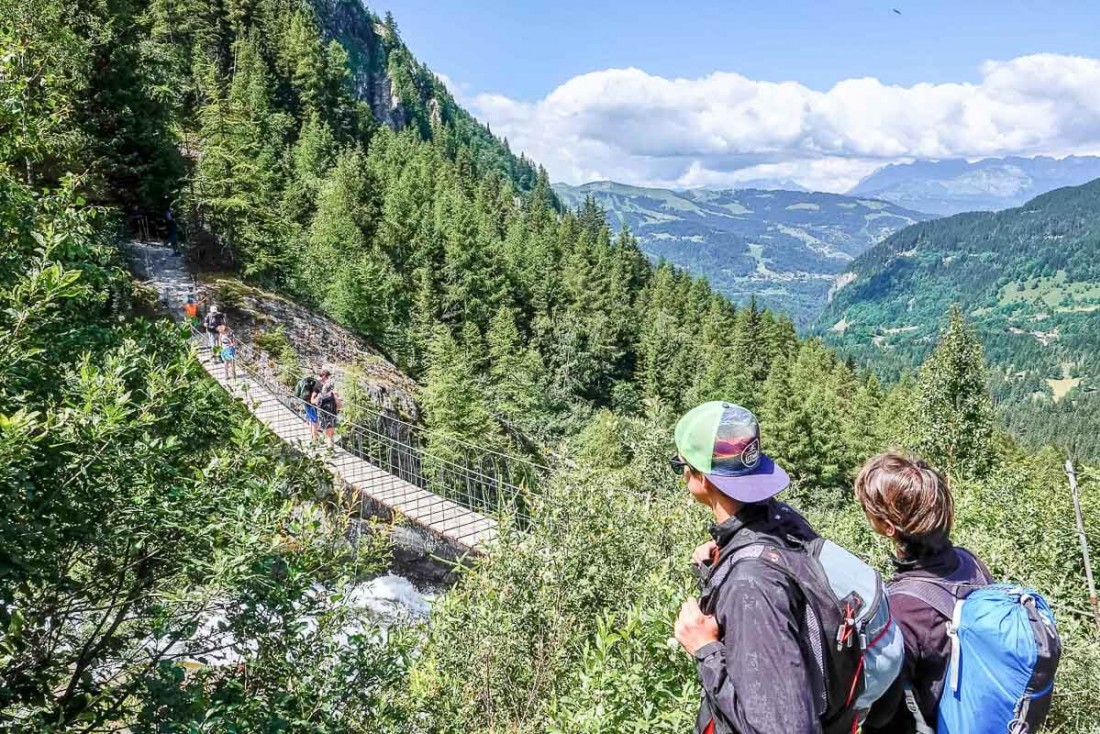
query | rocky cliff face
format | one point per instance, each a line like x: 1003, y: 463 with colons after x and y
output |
x: 361, y: 35
x: 402, y: 92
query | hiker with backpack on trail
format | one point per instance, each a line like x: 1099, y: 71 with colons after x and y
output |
x: 328, y: 405
x: 791, y: 633
x: 306, y: 388
x: 191, y: 307
x: 214, y: 319
x: 980, y: 657
x: 227, y: 351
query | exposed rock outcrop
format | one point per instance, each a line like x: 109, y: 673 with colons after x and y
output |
x: 348, y: 22
x: 314, y: 342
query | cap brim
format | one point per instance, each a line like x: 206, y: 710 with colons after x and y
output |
x: 768, y: 480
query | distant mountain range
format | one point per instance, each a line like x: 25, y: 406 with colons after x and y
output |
x: 953, y: 186
x: 784, y: 247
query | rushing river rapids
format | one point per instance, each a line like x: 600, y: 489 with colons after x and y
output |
x: 377, y: 604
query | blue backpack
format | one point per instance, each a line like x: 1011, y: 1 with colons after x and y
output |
x: 1004, y: 653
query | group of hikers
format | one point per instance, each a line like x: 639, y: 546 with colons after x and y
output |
x: 792, y: 634
x: 316, y: 391
x: 220, y: 339
x: 322, y: 403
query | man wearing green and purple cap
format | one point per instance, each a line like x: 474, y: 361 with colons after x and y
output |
x: 744, y: 630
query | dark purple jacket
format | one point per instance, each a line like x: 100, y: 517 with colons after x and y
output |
x: 756, y: 679
x: 927, y: 646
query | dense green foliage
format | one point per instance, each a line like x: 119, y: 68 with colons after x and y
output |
x: 567, y: 630
x: 162, y: 519
x: 151, y: 534
x: 784, y: 247
x: 1028, y: 279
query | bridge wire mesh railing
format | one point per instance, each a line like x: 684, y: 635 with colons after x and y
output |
x: 406, y: 457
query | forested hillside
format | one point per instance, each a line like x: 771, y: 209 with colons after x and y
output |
x: 1029, y: 279
x: 182, y: 574
x: 783, y: 247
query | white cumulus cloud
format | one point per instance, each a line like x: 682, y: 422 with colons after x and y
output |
x: 721, y: 129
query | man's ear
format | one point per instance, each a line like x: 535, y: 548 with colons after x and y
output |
x: 888, y: 528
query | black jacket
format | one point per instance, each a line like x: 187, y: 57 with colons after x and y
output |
x: 756, y: 679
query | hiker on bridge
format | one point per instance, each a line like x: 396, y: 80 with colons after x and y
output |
x: 227, y: 350
x: 214, y: 319
x: 328, y: 405
x: 778, y: 650
x: 306, y: 388
x: 191, y: 306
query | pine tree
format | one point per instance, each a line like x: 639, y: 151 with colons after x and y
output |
x: 453, y: 397
x: 952, y: 424
x: 239, y: 174
x: 311, y: 158
x: 803, y: 417
x: 516, y: 373
x: 717, y: 378
x: 866, y: 420
x: 343, y: 268
x: 749, y: 343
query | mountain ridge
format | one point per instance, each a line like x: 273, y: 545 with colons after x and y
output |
x: 955, y: 185
x: 1028, y: 278
x: 782, y: 247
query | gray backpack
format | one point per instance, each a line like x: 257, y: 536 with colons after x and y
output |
x: 857, y: 649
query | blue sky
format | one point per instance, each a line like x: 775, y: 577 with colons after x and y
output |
x: 516, y: 63
x: 524, y: 49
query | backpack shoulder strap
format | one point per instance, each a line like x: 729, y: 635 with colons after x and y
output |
x: 976, y: 564
x: 725, y: 562
x: 941, y: 593
x: 930, y: 591
x: 724, y: 565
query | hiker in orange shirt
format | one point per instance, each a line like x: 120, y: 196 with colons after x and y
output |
x: 191, y: 311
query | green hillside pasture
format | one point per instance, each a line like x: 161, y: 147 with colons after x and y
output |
x: 1053, y: 292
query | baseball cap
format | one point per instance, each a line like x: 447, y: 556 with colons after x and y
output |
x: 722, y: 440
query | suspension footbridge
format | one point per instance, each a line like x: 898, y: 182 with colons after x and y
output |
x: 452, y: 490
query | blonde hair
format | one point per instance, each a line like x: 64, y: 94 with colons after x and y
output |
x: 910, y: 495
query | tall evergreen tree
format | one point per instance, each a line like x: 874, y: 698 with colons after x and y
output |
x: 239, y: 174
x: 453, y: 397
x: 516, y: 373
x: 952, y: 423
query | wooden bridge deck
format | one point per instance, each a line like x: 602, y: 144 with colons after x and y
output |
x: 463, y: 528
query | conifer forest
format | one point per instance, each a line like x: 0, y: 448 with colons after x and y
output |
x: 169, y: 565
